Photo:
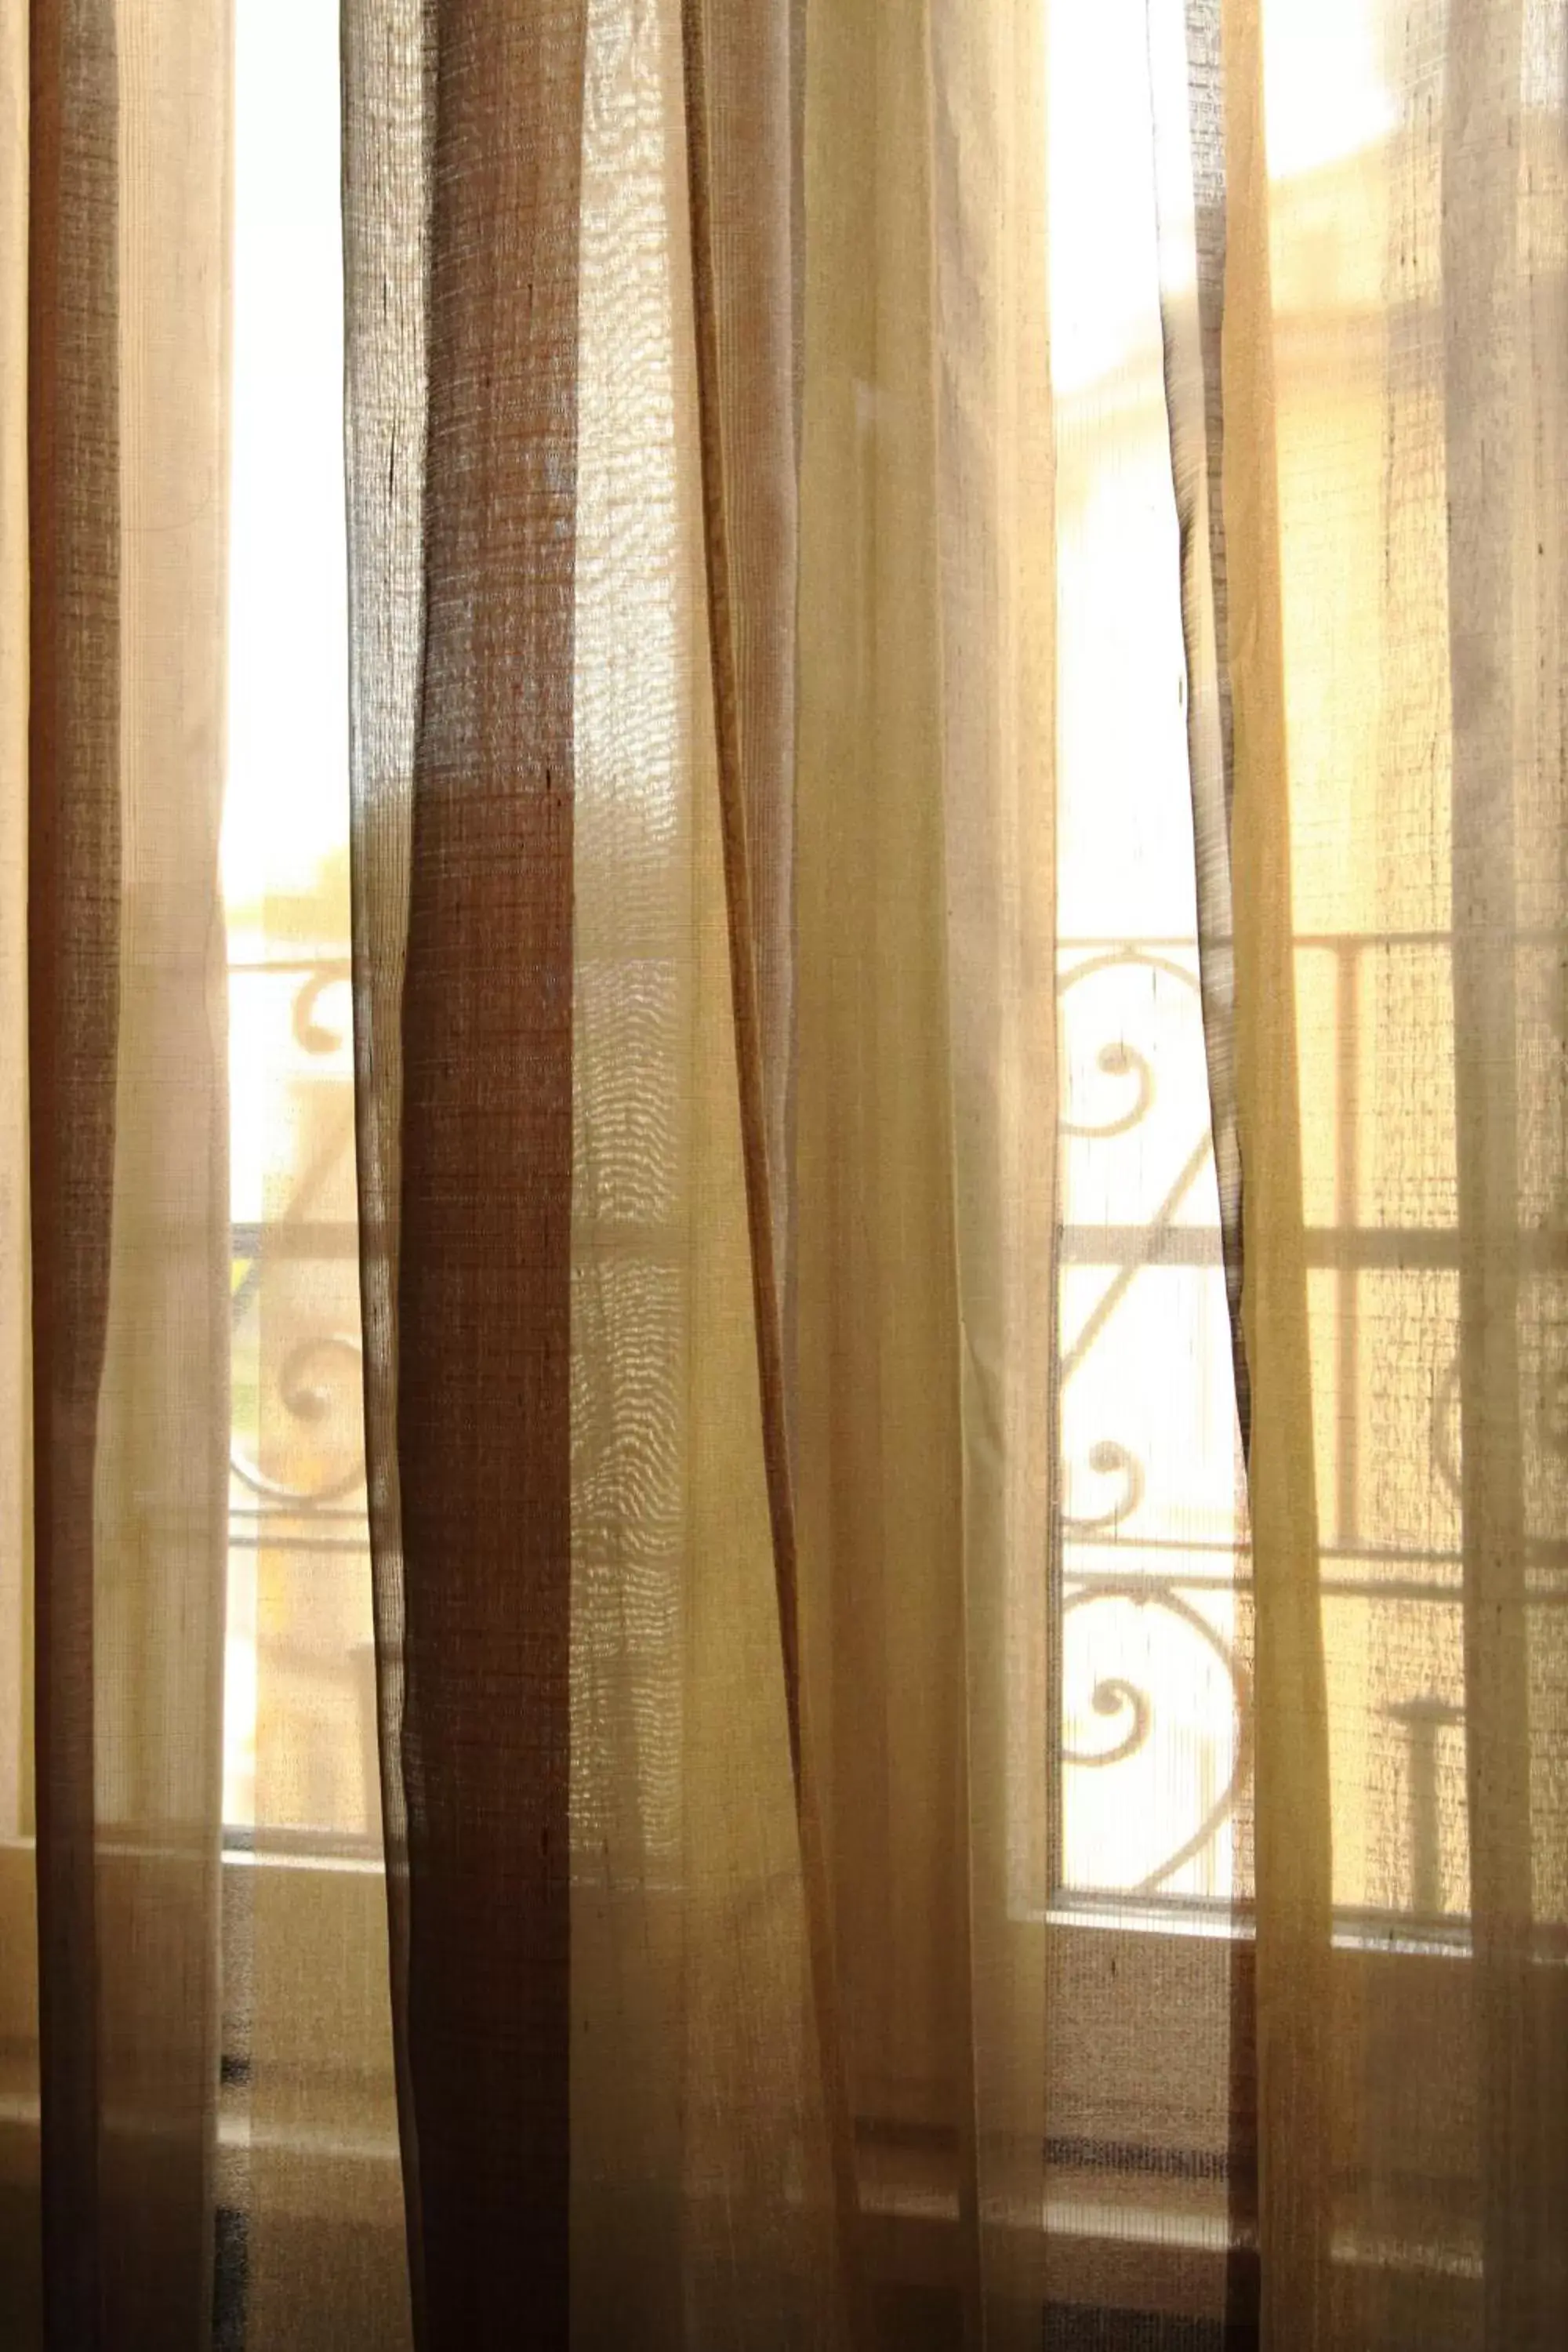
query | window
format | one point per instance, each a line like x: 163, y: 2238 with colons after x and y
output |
x: 1151, y: 1694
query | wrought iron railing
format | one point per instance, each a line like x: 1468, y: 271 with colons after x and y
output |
x: 1135, y: 1579
x: 1127, y: 1551
x: 298, y: 1558
x: 1128, y: 1560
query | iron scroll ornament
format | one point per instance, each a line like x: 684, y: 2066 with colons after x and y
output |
x: 1115, y: 1694
x: 310, y: 1377
x: 307, y: 1399
x: 1117, y: 1697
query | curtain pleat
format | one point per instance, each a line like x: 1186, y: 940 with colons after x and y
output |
x: 753, y: 166
x: 698, y: 2161
x: 1291, y: 1830
x: 753, y: 768
x: 126, y: 472
x: 993, y: 496
x: 483, y: 1296
x: 73, y: 846
x: 19, y: 2235
x: 877, y: 1410
x: 162, y: 1486
x: 1495, y: 803
x: 925, y: 930
x: 387, y: 87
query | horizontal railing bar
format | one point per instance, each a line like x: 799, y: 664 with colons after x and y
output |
x: 1396, y: 1249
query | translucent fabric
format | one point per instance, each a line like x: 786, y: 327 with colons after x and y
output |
x: 195, y: 2028
x: 120, y: 365
x: 19, y: 2236
x: 781, y: 1066
x: 1395, y: 444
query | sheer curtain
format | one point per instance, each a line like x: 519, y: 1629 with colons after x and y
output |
x: 782, y: 1431
x: 116, y: 1215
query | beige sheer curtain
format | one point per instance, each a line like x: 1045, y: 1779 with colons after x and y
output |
x: 1389, y: 348
x: 651, y: 1690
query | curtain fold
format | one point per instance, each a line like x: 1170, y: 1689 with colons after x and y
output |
x: 73, y: 895
x: 753, y: 778
x: 1290, y: 1808
x: 127, y: 1122
x: 19, y: 2237
x: 163, y: 1406
x: 752, y: 171
x: 877, y: 1406
x: 701, y: 2156
x: 387, y: 87
x: 482, y: 1399
x: 994, y: 492
x: 1495, y: 805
